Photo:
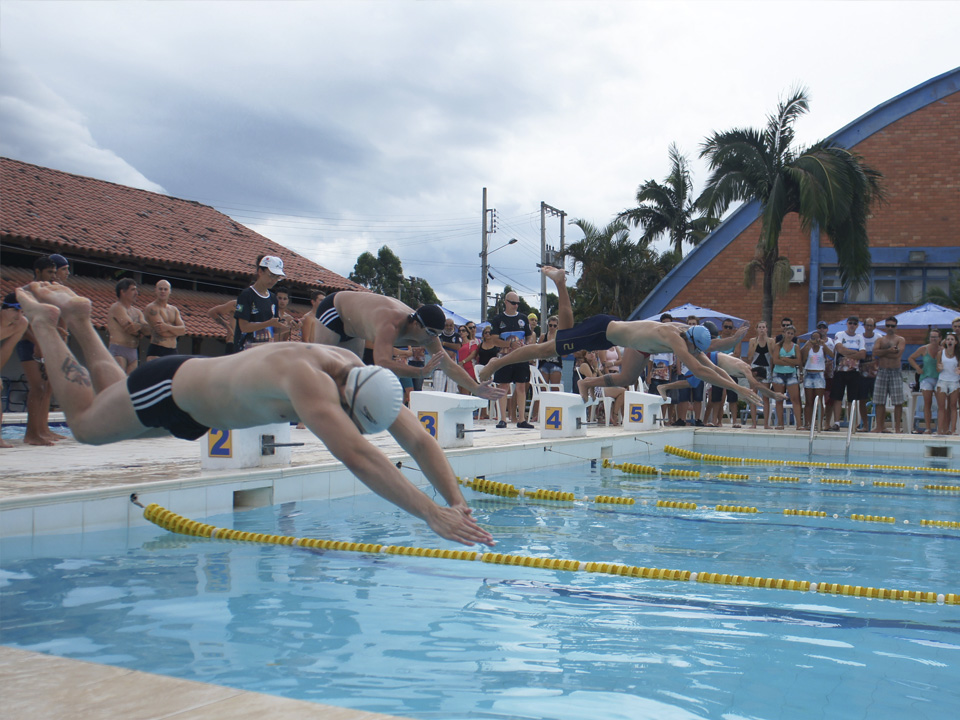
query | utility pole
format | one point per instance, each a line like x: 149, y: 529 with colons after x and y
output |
x: 488, y: 228
x: 544, y: 209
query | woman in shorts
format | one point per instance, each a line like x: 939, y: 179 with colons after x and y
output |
x: 927, y: 354
x: 814, y: 358
x: 948, y: 385
x: 786, y: 360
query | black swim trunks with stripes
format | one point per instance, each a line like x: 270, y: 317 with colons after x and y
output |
x: 330, y: 318
x: 591, y: 334
x: 151, y: 390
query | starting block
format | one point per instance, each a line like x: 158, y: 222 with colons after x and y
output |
x: 259, y: 446
x: 641, y: 410
x: 448, y: 417
x: 562, y: 414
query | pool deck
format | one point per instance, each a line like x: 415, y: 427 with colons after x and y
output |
x: 39, y: 685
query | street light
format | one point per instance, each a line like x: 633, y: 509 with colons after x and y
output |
x: 484, y: 254
x: 511, y: 241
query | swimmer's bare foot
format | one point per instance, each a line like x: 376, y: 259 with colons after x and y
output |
x: 4, y: 444
x: 36, y: 311
x: 33, y: 439
x: 558, y: 275
x: 73, y: 307
x: 486, y: 373
x: 56, y: 437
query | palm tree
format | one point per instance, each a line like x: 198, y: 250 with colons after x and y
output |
x: 670, y: 208
x: 616, y: 272
x: 825, y: 184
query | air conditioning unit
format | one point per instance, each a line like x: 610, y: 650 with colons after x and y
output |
x: 831, y: 296
x: 799, y: 274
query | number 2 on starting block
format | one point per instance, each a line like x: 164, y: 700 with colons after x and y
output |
x: 553, y: 419
x: 219, y: 443
x: 429, y: 421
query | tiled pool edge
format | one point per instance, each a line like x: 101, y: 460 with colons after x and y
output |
x: 110, y: 508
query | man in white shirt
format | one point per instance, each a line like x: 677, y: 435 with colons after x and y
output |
x: 850, y: 350
x: 868, y: 368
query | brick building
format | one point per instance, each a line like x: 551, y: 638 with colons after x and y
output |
x: 111, y: 231
x: 914, y: 140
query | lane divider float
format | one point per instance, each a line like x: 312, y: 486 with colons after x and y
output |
x: 173, y: 522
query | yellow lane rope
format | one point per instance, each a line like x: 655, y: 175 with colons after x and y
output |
x: 178, y: 524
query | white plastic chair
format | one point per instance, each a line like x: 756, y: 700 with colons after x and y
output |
x: 538, y: 384
x: 594, y: 402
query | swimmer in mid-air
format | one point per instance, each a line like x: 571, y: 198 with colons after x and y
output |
x: 639, y: 338
x: 329, y: 389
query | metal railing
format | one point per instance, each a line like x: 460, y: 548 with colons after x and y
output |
x: 851, y: 426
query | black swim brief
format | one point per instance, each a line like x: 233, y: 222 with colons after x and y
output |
x: 151, y: 390
x: 154, y: 350
x: 329, y: 317
x: 591, y: 334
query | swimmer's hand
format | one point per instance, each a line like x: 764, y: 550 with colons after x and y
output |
x: 751, y: 396
x: 457, y: 523
x: 488, y: 391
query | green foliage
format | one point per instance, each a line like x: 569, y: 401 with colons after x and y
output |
x: 384, y: 275
x: 940, y: 296
x: 826, y: 185
x: 616, y: 273
x: 670, y: 208
x: 523, y: 308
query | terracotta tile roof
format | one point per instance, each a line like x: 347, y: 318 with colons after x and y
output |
x: 81, y: 216
x: 193, y: 304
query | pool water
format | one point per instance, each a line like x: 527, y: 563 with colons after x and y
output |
x: 432, y: 638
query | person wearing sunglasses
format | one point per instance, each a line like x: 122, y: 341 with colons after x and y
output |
x: 850, y: 350
x: 12, y: 327
x: 510, y: 330
x: 888, y: 352
x: 350, y: 319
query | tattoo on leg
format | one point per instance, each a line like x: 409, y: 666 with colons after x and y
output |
x: 75, y: 372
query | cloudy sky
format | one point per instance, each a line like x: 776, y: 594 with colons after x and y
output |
x: 338, y: 126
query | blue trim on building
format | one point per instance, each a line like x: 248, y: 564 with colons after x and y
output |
x: 897, y: 256
x: 863, y: 127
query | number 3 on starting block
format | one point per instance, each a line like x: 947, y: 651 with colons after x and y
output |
x: 636, y: 413
x: 553, y: 419
x: 429, y: 422
x: 219, y: 443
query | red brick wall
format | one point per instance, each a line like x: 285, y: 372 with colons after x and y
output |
x: 919, y: 156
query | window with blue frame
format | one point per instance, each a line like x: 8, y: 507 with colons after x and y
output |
x: 891, y: 284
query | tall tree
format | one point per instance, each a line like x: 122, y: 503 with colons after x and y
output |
x: 825, y: 184
x: 383, y: 274
x: 616, y: 273
x: 947, y: 298
x: 670, y: 208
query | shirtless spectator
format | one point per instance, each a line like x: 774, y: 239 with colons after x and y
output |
x: 257, y: 315
x: 222, y: 315
x: 125, y: 324
x: 888, y: 353
x: 12, y: 327
x: 289, y: 320
x: 351, y: 318
x: 337, y: 398
x: 165, y: 322
x: 308, y: 322
x: 39, y: 391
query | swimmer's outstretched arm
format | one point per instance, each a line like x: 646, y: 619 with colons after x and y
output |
x: 318, y: 406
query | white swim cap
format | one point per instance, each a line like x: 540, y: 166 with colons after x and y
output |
x: 374, y: 397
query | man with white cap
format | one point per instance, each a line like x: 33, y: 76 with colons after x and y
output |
x: 639, y: 338
x: 257, y: 313
x: 335, y: 396
x: 350, y: 319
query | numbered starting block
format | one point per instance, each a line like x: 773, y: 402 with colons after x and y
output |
x: 641, y: 411
x: 448, y: 417
x: 562, y: 414
x: 260, y: 446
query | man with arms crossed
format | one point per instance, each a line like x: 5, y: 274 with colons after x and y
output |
x: 888, y: 353
x: 639, y: 338
x: 125, y: 324
x: 349, y: 319
x: 329, y: 389
x: 165, y: 323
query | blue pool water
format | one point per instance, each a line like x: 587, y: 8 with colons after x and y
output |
x: 430, y: 638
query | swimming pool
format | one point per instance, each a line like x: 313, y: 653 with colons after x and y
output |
x: 432, y: 638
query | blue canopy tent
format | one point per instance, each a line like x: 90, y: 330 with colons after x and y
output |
x: 458, y: 319
x: 680, y: 315
x: 927, y: 315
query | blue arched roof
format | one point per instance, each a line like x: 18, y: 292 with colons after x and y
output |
x: 863, y: 127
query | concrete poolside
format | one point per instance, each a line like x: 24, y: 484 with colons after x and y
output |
x: 39, y: 685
